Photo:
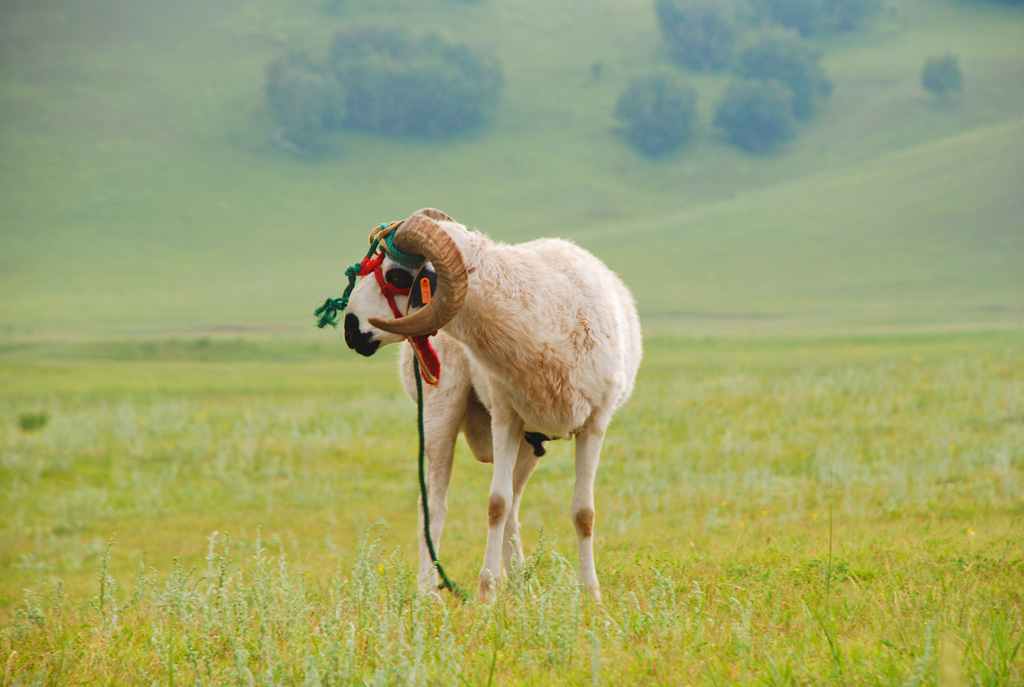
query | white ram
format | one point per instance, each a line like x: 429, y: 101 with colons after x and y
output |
x: 538, y: 340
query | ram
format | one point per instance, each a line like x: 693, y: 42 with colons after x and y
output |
x: 536, y: 341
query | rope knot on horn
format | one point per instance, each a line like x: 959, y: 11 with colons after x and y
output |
x: 384, y: 236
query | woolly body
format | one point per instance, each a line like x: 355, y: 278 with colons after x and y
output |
x: 547, y: 340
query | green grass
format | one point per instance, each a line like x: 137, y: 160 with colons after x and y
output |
x: 838, y: 510
x: 138, y: 189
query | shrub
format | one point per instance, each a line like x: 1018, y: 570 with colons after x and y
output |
x: 398, y: 83
x: 756, y: 114
x: 785, y: 57
x: 700, y: 34
x: 657, y: 113
x: 941, y: 75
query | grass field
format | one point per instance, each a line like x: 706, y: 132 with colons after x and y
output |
x: 841, y: 510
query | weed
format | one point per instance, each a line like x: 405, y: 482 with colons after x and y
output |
x: 33, y: 422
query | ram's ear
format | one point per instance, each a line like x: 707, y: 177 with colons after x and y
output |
x: 435, y: 214
x: 422, y: 290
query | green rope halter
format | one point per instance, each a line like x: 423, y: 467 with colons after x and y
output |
x: 382, y: 238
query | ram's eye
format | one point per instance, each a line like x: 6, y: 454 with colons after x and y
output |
x: 399, y: 278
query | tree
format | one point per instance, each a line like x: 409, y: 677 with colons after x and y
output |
x: 700, y: 34
x: 304, y: 101
x: 657, y: 113
x: 400, y: 83
x: 941, y: 75
x: 785, y: 57
x: 756, y: 114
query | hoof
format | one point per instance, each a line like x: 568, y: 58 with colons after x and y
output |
x: 487, y: 588
x: 428, y: 584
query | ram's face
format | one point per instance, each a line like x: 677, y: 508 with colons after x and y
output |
x: 367, y: 301
x: 439, y: 292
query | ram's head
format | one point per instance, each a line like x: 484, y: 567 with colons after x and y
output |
x: 370, y: 322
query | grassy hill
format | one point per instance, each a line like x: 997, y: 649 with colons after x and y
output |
x: 139, y: 190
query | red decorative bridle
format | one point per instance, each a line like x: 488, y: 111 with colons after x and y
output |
x: 430, y: 364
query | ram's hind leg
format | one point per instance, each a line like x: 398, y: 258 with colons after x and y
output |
x: 526, y: 461
x: 588, y: 453
x: 507, y: 432
x: 476, y: 427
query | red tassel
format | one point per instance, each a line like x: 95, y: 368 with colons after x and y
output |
x: 430, y: 364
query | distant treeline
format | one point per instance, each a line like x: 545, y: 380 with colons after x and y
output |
x: 778, y: 73
x: 705, y: 34
x: 778, y: 79
x: 402, y: 82
x: 383, y: 80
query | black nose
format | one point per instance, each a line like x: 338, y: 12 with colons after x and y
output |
x: 361, y: 343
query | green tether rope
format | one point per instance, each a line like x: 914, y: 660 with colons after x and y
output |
x: 383, y: 238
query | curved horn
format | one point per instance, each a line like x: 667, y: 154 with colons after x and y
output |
x: 420, y: 235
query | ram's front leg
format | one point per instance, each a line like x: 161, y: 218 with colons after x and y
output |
x: 440, y: 453
x: 442, y: 415
x: 507, y: 431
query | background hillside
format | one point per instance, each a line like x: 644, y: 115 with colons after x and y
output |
x: 139, y: 190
